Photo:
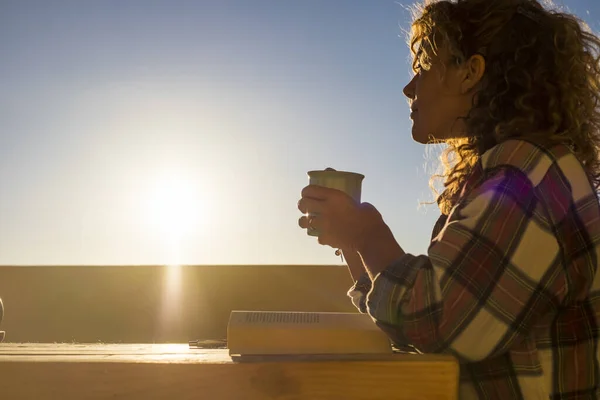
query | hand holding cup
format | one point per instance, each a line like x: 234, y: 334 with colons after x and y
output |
x: 333, y: 211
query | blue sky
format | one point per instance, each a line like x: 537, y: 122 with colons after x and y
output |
x: 173, y: 131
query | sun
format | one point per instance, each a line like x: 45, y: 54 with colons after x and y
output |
x: 175, y: 206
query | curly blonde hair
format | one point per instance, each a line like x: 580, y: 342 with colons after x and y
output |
x: 541, y: 83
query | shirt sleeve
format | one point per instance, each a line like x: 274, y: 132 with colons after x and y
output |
x: 483, y: 281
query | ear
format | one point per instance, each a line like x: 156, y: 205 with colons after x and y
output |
x: 474, y: 68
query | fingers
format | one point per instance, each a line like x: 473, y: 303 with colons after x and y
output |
x: 315, y: 204
x: 303, y: 222
x: 302, y: 206
x: 317, y: 192
x: 310, y: 222
x: 310, y: 196
x: 306, y: 205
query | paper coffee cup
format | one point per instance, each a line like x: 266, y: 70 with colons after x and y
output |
x: 348, y: 182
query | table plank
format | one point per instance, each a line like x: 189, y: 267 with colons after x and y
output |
x: 72, y: 371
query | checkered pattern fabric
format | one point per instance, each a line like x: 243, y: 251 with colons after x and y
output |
x: 510, y: 282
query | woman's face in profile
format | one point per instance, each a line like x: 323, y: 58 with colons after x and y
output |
x: 440, y: 95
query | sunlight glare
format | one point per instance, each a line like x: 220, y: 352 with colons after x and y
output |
x: 175, y: 207
x: 172, y: 300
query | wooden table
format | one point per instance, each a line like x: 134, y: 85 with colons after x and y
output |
x: 167, y: 371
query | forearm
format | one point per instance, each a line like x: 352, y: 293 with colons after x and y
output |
x: 373, y: 253
x: 379, y: 251
x: 355, y: 264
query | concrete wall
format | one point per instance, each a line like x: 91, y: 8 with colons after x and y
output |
x: 146, y: 304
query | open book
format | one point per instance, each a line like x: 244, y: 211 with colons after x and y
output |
x: 283, y: 333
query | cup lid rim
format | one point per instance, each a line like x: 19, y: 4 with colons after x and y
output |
x: 323, y: 172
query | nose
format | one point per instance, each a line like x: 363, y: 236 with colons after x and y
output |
x: 409, y: 89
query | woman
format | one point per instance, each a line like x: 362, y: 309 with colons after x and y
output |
x: 510, y: 283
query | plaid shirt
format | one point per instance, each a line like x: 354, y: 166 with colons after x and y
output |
x: 509, y: 285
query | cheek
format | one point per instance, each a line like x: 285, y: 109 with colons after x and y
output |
x: 439, y: 113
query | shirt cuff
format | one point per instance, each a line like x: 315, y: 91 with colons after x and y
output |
x: 358, y: 292
x: 391, y: 288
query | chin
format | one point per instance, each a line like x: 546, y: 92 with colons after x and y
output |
x: 420, y: 137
